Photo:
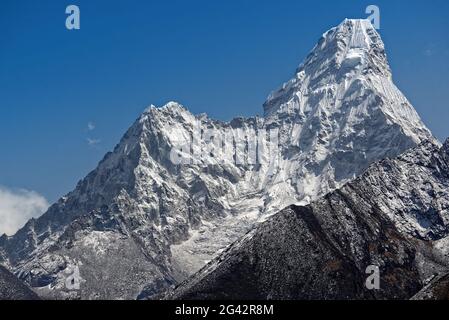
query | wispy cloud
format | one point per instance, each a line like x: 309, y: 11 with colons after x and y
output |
x: 17, y: 207
x: 90, y: 126
x: 93, y: 142
x: 430, y: 50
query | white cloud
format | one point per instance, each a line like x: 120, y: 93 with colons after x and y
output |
x: 17, y: 207
x: 91, y: 126
x: 93, y: 142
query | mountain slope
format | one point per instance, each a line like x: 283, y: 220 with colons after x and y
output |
x: 437, y: 289
x: 393, y: 217
x: 180, y: 188
x: 12, y: 288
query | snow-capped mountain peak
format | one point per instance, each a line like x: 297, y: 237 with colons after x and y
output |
x: 346, y: 75
x: 340, y: 113
x: 351, y: 44
x: 349, y: 50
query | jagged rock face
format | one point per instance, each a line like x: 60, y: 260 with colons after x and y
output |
x: 341, y: 107
x: 150, y: 221
x: 395, y: 216
x: 12, y: 288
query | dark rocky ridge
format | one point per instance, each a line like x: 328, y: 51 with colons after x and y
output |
x: 437, y: 289
x: 392, y: 216
x: 12, y: 288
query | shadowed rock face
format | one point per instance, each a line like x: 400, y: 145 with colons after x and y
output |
x: 437, y: 289
x: 12, y: 288
x: 292, y: 256
x: 394, y: 216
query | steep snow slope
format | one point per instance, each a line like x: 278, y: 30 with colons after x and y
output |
x: 394, y: 216
x: 180, y: 188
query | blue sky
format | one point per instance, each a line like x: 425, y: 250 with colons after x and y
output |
x: 219, y: 57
